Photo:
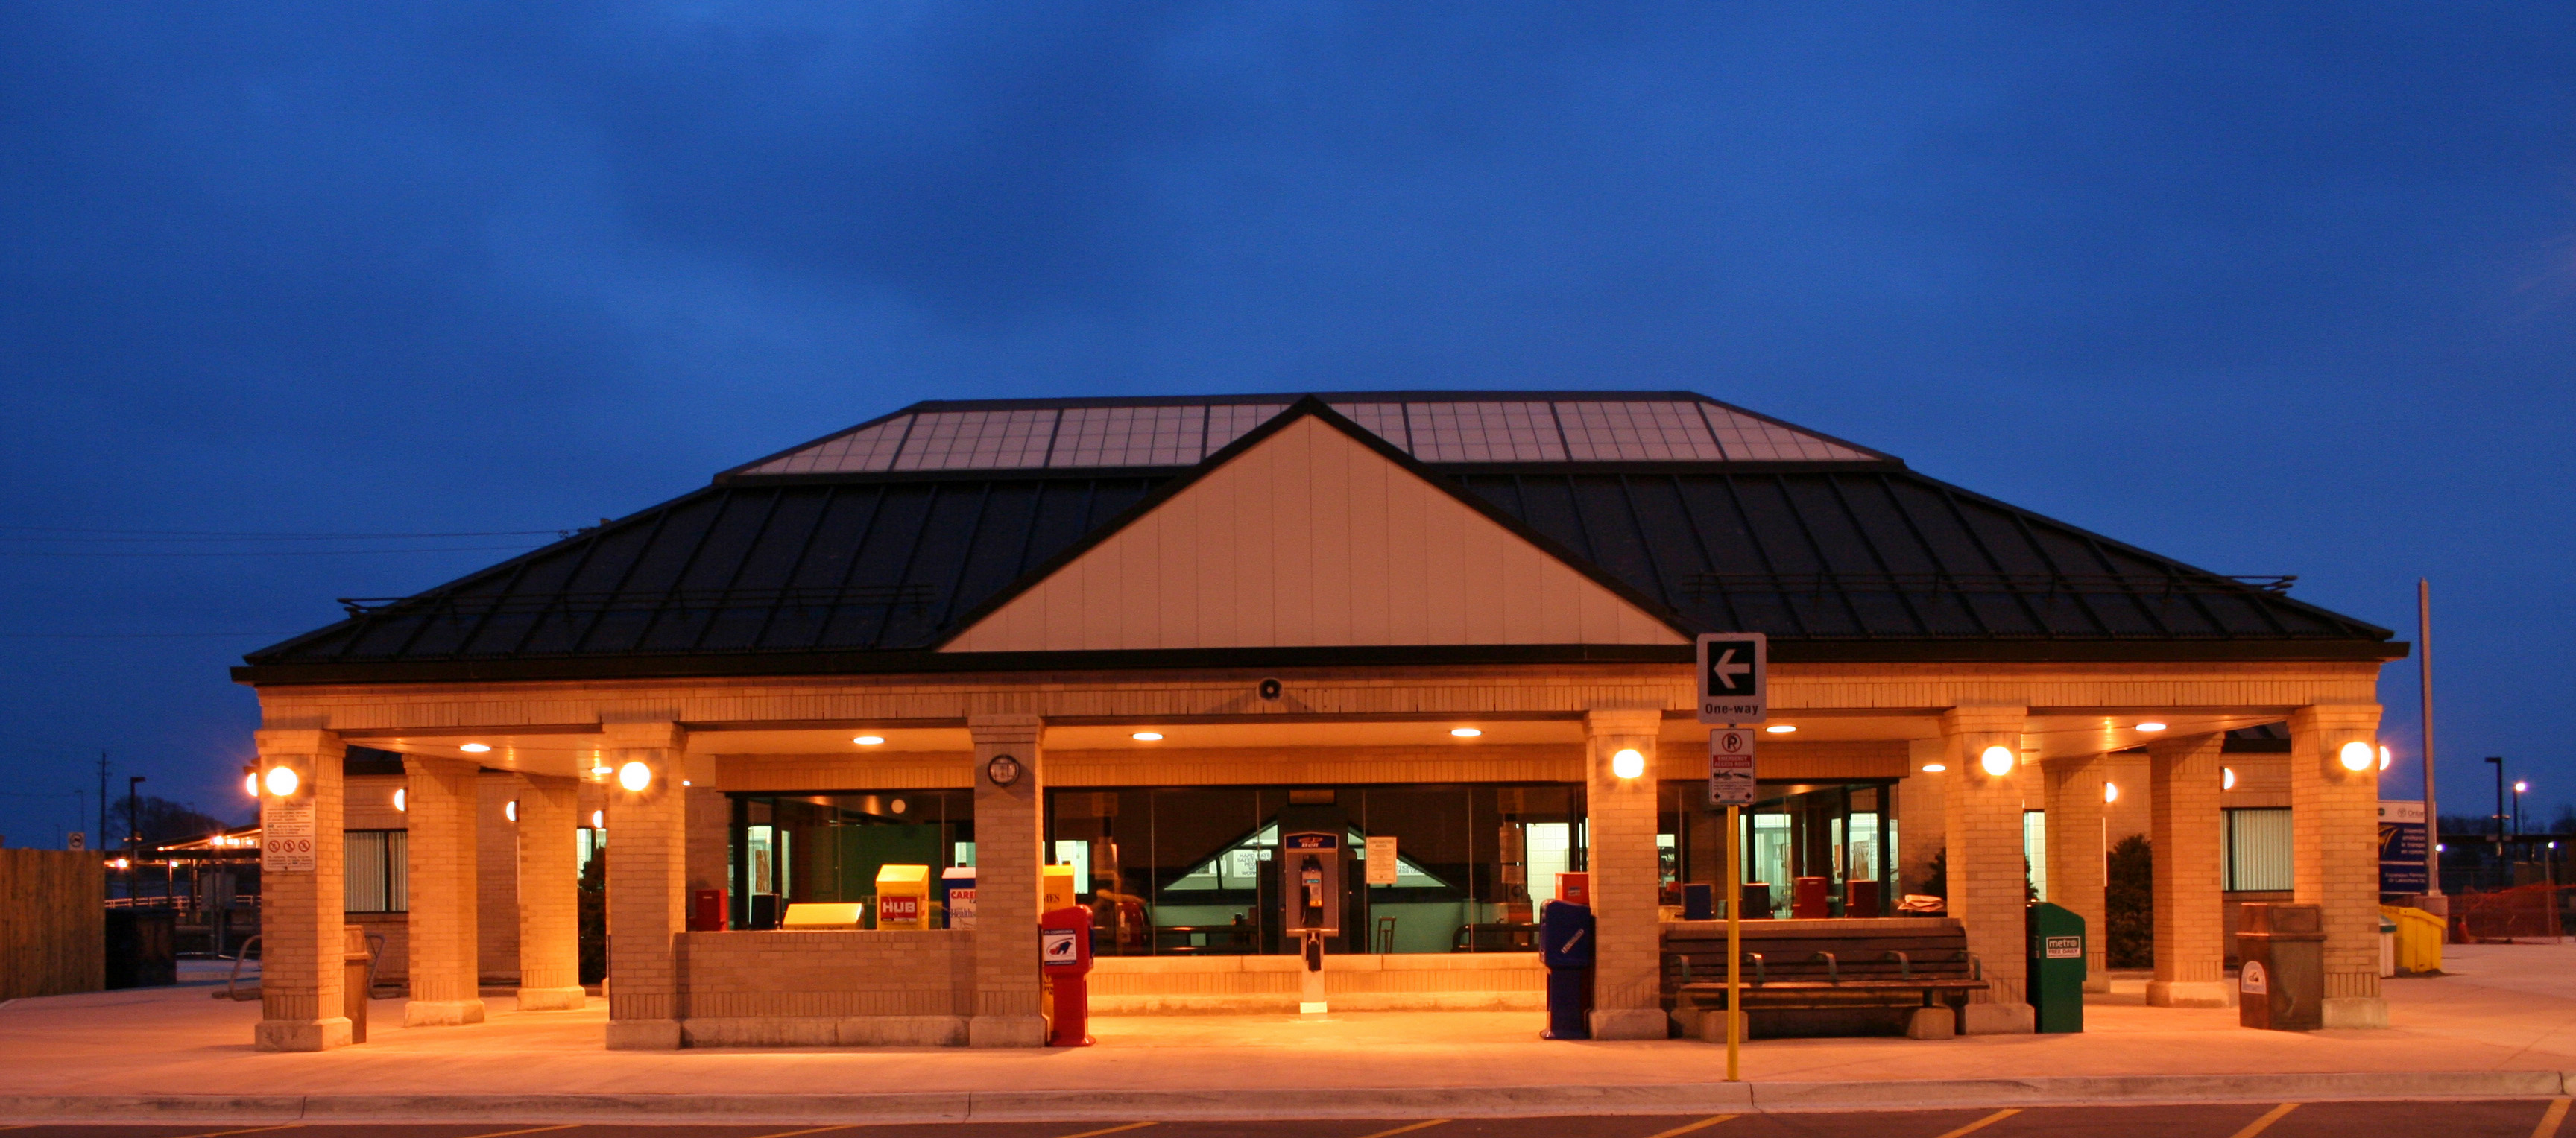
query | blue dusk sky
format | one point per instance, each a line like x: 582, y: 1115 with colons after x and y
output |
x: 2268, y: 288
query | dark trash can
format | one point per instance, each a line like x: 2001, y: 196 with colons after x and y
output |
x: 142, y: 948
x: 356, y: 962
x: 1565, y: 946
x: 2282, y: 986
x: 2056, y: 968
x: 1699, y: 902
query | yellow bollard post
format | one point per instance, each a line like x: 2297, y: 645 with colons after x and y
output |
x: 1734, y: 940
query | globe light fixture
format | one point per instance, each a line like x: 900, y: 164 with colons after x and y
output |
x: 635, y: 776
x: 2110, y: 792
x: 1628, y: 763
x: 510, y: 810
x: 250, y: 784
x: 1997, y: 761
x: 282, y: 782
x: 599, y: 819
x: 2227, y: 778
x: 2356, y: 756
x: 402, y: 801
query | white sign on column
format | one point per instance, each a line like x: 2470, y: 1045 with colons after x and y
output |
x: 286, y: 837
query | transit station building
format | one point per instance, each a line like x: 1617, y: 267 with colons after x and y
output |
x: 1436, y: 617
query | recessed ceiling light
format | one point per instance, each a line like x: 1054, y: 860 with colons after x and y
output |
x: 475, y: 748
x: 1465, y: 732
x: 1147, y: 736
x: 2151, y: 725
x: 1781, y: 729
x: 869, y: 740
x: 1934, y: 768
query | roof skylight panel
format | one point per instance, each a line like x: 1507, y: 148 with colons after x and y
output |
x: 867, y: 450
x: 1385, y: 420
x: 1485, y: 432
x: 1748, y: 439
x: 978, y: 440
x: 1230, y: 421
x: 1636, y: 432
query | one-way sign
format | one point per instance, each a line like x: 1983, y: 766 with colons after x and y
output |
x: 1732, y: 685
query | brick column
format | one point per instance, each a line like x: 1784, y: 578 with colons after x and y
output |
x: 1009, y: 836
x: 1989, y: 889
x: 446, y: 982
x: 302, y: 947
x: 648, y: 840
x: 2073, y: 798
x: 2189, y: 833
x: 549, y: 895
x: 2334, y: 824
x: 496, y: 874
x: 1626, y: 1001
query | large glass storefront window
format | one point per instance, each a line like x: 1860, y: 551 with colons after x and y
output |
x: 1180, y: 871
x: 1839, y: 832
x: 792, y: 849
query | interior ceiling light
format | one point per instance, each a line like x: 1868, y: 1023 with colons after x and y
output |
x: 1465, y: 732
x: 2151, y: 725
x: 1147, y: 736
x: 281, y: 781
x: 1628, y: 763
x: 870, y: 740
x: 2355, y: 756
x: 1997, y: 761
x: 1934, y: 768
x: 1781, y: 729
x: 475, y: 748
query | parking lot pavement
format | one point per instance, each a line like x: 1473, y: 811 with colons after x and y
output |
x: 2504, y: 1118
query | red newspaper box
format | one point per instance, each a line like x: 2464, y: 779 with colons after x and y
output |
x: 707, y: 911
x: 1064, y: 956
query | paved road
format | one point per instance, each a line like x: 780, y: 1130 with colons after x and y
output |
x: 2520, y: 1118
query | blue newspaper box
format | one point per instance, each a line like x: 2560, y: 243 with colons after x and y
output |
x: 1565, y: 946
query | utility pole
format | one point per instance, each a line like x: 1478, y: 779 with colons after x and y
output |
x: 102, y: 802
x: 133, y: 836
x: 2424, y: 667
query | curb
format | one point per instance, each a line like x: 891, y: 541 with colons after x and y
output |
x: 1352, y: 1102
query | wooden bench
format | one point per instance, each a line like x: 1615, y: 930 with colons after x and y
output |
x: 1866, y: 976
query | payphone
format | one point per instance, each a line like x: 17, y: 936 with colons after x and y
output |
x: 1310, y: 897
x: 1064, y: 960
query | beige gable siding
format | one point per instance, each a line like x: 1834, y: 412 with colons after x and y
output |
x: 1311, y: 539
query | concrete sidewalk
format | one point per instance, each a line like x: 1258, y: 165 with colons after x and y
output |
x: 2503, y: 1025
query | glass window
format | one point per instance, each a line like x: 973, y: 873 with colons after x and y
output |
x: 375, y: 871
x: 2034, y: 851
x: 1839, y: 832
x: 2258, y: 850
x: 795, y: 849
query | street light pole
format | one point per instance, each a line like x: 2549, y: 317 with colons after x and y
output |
x: 2424, y: 668
x: 133, y: 835
x: 2518, y: 787
x: 2498, y: 760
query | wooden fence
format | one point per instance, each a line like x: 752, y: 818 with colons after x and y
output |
x: 53, y: 923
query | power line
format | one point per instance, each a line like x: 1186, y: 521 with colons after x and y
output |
x: 129, y: 635
x: 249, y: 552
x: 146, y: 534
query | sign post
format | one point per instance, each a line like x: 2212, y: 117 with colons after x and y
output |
x: 1730, y: 784
x: 1734, y: 690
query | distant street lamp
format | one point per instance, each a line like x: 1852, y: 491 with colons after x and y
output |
x: 2518, y: 787
x: 2498, y: 760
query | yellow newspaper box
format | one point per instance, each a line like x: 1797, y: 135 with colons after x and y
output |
x: 903, y: 897
x: 1058, y: 891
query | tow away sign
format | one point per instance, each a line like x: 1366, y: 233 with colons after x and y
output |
x: 1730, y: 767
x: 1732, y: 685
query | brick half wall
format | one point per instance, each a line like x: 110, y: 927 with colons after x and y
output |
x: 810, y: 989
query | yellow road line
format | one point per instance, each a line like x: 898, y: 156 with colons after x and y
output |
x: 1686, y: 1128
x: 1983, y: 1123
x: 2549, y: 1120
x: 807, y: 1130
x: 2259, y: 1125
x: 529, y: 1130
x: 1407, y: 1128
x: 244, y: 1130
x: 1110, y: 1130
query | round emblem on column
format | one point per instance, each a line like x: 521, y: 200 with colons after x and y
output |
x: 1003, y: 770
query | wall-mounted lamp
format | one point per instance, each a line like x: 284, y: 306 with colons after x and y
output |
x: 510, y: 810
x: 1997, y: 761
x: 402, y: 801
x: 1628, y: 763
x: 2110, y: 792
x: 599, y: 819
x: 2385, y: 758
x: 282, y: 782
x: 2227, y: 778
x: 2356, y: 756
x: 635, y: 776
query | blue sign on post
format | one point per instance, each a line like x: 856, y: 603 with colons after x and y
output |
x: 2403, y: 838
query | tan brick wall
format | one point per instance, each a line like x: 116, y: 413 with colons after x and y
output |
x: 1982, y: 814
x: 2073, y: 800
x: 2334, y: 828
x: 1922, y: 832
x: 549, y: 912
x: 496, y: 879
x: 301, y: 938
x: 1008, y: 851
x: 829, y: 974
x: 446, y: 896
x: 710, y: 838
x: 648, y: 852
x: 2190, y: 859
x: 1625, y: 872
